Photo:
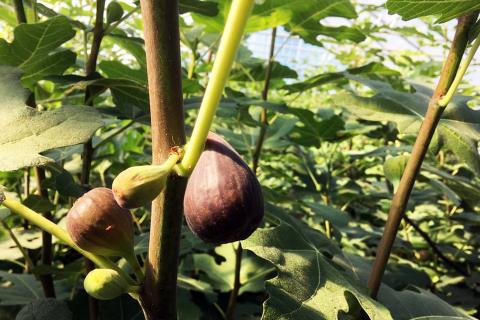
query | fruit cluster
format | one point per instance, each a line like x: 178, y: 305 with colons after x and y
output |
x: 223, y: 203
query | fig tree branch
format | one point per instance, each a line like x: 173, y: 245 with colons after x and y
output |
x: 47, y: 250
x: 434, y: 247
x: 232, y: 301
x: 263, y: 115
x: 256, y: 157
x: 427, y: 129
x: 90, y: 68
x: 88, y: 150
x: 19, y: 11
x: 29, y: 265
x: 162, y: 46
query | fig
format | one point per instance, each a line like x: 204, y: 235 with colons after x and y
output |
x: 105, y: 284
x: 139, y: 185
x: 96, y: 223
x: 136, y: 186
x: 223, y: 200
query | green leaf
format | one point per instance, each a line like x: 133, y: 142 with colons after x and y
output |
x: 32, y: 49
x: 308, y: 285
x: 193, y: 284
x: 298, y: 16
x: 20, y: 289
x: 30, y: 239
x: 474, y: 32
x: 114, y: 12
x: 410, y: 303
x: 206, y: 8
x: 130, y: 97
x: 336, y: 216
x: 373, y: 68
x: 186, y: 308
x: 38, y: 203
x: 446, y: 9
x: 221, y: 275
x: 310, y: 132
x: 45, y: 309
x: 458, y: 130
x: 2, y: 194
x: 7, y: 15
x: 117, y: 70
x: 253, y: 68
x: 27, y: 132
x: 46, y: 11
x: 130, y: 44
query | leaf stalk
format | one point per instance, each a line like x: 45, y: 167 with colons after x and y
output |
x: 232, y: 35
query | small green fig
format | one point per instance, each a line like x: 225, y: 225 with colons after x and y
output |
x: 223, y: 200
x: 105, y: 284
x: 114, y: 12
x: 96, y: 223
x: 139, y: 185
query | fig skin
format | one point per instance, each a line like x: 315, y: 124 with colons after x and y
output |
x: 105, y: 284
x: 96, y: 223
x: 223, y: 200
x: 139, y: 185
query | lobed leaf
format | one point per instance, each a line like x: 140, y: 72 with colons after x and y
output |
x: 27, y: 132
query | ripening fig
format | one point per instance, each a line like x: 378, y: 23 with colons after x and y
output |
x: 223, y: 200
x: 139, y: 185
x: 96, y: 223
x: 105, y: 284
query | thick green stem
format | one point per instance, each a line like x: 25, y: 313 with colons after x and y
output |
x: 429, y: 124
x: 232, y: 35
x: 162, y: 46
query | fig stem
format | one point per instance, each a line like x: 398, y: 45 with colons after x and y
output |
x: 134, y: 292
x: 50, y: 227
x: 137, y: 268
x: 460, y: 74
x: 232, y: 35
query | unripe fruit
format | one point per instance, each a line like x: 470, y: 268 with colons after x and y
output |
x: 105, y: 284
x: 96, y: 223
x: 139, y: 185
x: 223, y: 200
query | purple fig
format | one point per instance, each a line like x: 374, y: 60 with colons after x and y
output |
x: 99, y: 225
x: 223, y: 200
